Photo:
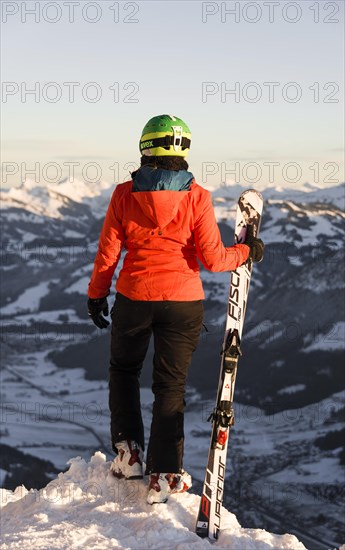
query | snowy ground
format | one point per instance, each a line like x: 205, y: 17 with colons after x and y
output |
x: 87, y: 507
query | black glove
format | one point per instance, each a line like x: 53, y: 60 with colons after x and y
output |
x: 256, y: 246
x: 96, y: 309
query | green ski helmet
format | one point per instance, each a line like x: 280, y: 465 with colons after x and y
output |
x: 165, y: 135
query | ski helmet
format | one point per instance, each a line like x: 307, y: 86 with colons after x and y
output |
x: 165, y: 135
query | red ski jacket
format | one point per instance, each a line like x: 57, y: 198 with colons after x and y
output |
x: 165, y: 233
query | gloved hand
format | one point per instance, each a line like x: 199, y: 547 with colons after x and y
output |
x: 96, y: 309
x: 256, y: 246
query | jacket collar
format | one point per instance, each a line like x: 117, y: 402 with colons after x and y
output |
x: 148, y: 178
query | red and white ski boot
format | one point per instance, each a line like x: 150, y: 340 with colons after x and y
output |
x: 161, y: 486
x: 129, y: 461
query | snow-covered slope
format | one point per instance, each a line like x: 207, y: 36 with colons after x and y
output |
x: 301, y: 217
x: 50, y: 200
x: 306, y: 193
x: 86, y: 507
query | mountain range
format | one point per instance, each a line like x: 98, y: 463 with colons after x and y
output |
x: 293, y: 341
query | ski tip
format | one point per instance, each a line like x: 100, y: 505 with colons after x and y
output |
x: 253, y: 191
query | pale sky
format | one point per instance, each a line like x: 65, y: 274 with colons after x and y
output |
x: 283, y: 61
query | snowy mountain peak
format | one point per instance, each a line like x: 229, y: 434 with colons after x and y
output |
x: 87, y: 507
x: 49, y: 198
x: 72, y: 188
x: 306, y: 193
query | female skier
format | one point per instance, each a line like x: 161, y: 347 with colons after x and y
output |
x: 165, y: 221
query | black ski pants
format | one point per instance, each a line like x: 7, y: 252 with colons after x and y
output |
x: 176, y: 328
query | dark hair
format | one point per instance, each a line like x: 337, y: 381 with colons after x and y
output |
x: 167, y: 163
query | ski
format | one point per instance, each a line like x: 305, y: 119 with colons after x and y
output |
x: 248, y: 218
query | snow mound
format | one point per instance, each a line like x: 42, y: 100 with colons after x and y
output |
x: 86, y: 507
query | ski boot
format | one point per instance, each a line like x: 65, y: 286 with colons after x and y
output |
x: 161, y: 486
x: 129, y: 461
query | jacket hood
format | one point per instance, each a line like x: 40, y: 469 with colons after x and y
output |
x: 159, y: 192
